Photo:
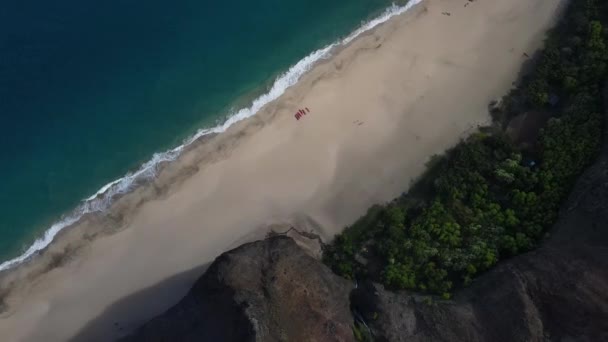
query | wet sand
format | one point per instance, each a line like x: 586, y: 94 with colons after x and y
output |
x: 378, y: 110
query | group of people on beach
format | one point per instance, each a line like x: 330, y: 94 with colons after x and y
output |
x: 301, y: 112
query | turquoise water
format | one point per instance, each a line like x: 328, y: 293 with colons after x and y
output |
x: 89, y: 90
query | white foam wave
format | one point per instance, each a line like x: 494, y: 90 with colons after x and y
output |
x: 102, y: 199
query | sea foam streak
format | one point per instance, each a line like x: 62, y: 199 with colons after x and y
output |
x: 102, y: 199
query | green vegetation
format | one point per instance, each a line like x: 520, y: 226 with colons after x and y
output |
x: 361, y: 333
x: 490, y: 198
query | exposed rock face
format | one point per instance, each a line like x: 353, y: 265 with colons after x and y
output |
x: 558, y: 292
x: 268, y: 290
x: 272, y: 290
x: 540, y: 297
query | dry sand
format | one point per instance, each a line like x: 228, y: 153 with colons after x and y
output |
x: 380, y: 108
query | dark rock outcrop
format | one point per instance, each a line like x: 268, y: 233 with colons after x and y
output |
x: 272, y: 290
x: 268, y: 290
x: 558, y: 292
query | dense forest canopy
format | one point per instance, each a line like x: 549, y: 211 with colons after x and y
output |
x: 492, y: 197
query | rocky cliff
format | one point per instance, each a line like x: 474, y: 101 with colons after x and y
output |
x: 268, y: 290
x: 272, y: 290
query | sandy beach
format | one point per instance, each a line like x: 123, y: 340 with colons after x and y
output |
x: 379, y: 108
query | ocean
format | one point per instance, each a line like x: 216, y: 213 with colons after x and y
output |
x: 91, y: 91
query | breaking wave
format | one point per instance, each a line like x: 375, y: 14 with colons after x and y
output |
x: 102, y: 199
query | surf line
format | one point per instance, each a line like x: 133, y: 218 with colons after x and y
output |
x: 102, y: 199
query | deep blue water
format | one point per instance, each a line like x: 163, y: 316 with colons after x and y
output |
x: 91, y: 89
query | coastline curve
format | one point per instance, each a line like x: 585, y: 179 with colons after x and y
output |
x: 103, y: 198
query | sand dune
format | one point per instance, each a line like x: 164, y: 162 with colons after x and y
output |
x: 379, y: 109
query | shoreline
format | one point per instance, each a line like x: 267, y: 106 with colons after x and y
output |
x: 103, y: 199
x: 346, y: 166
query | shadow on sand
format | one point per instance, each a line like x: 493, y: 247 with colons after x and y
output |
x: 128, y: 313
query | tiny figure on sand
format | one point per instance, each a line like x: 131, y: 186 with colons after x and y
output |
x: 301, y: 112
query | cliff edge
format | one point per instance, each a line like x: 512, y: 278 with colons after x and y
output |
x: 268, y: 290
x: 559, y: 292
x: 272, y: 290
